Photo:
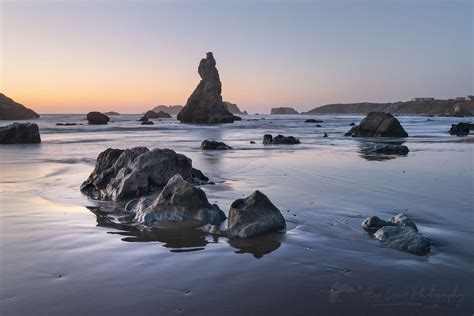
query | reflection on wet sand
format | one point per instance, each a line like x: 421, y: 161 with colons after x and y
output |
x: 367, y: 152
x: 181, y: 237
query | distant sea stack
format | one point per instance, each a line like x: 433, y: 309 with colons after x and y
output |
x: 11, y: 110
x: 170, y: 109
x: 417, y: 106
x: 205, y: 105
x: 234, y: 109
x: 283, y: 111
x: 112, y: 113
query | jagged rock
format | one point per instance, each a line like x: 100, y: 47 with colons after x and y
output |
x: 170, y: 109
x: 385, y: 149
x: 461, y: 129
x: 254, y: 215
x: 205, y: 104
x: 147, y: 123
x: 11, y: 110
x: 400, y: 233
x: 234, y: 109
x: 97, y: 118
x: 283, y: 111
x: 280, y: 139
x: 313, y: 121
x: 179, y: 201
x: 20, y: 133
x: 378, y: 124
x: 214, y: 145
x: 120, y: 174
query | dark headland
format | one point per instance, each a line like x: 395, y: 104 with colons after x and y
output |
x: 11, y: 110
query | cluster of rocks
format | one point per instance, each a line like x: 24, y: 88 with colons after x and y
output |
x: 399, y: 232
x: 20, y: 133
x: 268, y: 139
x: 136, y: 172
x: 461, y: 129
x: 385, y: 149
x: 378, y: 124
x: 154, y: 115
x: 121, y: 174
x: 205, y: 104
x: 97, y: 118
x: 214, y: 145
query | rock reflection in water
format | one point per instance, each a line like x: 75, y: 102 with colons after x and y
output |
x: 374, y: 151
x: 180, y: 237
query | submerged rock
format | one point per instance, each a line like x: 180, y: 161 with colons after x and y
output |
x: 97, y: 118
x: 11, y: 110
x: 254, y: 215
x: 205, y: 103
x: 67, y: 124
x: 385, y: 149
x: 378, y: 124
x: 214, y: 145
x: 179, y: 201
x: 400, y: 233
x: 461, y: 129
x: 134, y: 172
x: 325, y: 135
x: 313, y: 121
x: 280, y: 139
x: 147, y: 123
x: 20, y: 133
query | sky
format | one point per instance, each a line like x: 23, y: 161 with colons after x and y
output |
x: 129, y: 56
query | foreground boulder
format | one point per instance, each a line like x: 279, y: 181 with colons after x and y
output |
x: 378, y: 124
x: 399, y: 232
x: 214, y: 145
x: 120, y: 174
x: 254, y: 215
x: 205, y: 104
x: 20, y: 133
x: 97, y: 118
x: 179, y: 201
x: 386, y: 149
x: 461, y: 129
x: 11, y: 110
x: 280, y: 139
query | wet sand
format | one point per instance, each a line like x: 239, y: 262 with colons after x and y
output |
x: 62, y: 253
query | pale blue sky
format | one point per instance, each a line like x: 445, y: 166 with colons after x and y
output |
x: 61, y: 56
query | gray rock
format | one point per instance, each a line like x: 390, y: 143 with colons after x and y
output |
x: 378, y: 124
x: 205, y: 104
x: 11, y: 110
x: 179, y: 201
x: 385, y: 149
x: 280, y: 139
x: 20, y: 133
x: 403, y: 238
x: 400, y: 233
x: 120, y: 174
x: 461, y: 129
x: 214, y: 145
x: 254, y: 215
x: 97, y: 118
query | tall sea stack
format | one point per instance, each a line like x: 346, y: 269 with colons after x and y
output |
x: 205, y: 105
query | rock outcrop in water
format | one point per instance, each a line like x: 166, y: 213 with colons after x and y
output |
x: 399, y: 232
x: 154, y: 115
x: 254, y: 215
x: 378, y: 124
x: 313, y: 121
x: 214, y: 145
x: 461, y: 129
x: 179, y: 201
x: 11, y: 110
x: 205, y: 105
x: 279, y: 139
x: 20, y: 133
x: 234, y: 109
x: 283, y: 111
x: 97, y: 118
x: 120, y: 174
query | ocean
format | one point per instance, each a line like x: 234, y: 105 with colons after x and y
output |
x: 64, y: 253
